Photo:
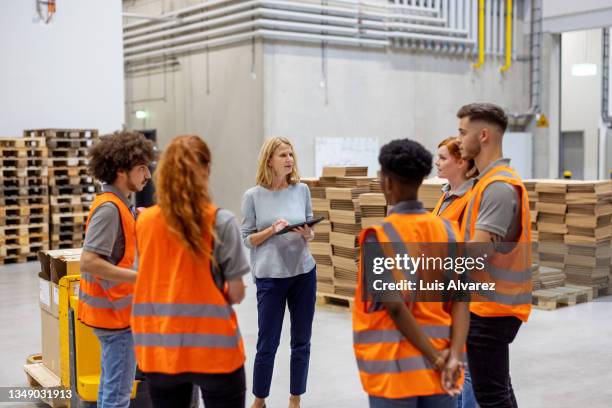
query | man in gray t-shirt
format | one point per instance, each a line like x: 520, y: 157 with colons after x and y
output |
x: 499, y: 218
x: 120, y: 161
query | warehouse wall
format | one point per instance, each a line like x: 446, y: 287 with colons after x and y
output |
x: 568, y: 15
x: 221, y: 101
x: 581, y: 96
x: 65, y: 74
x: 377, y: 93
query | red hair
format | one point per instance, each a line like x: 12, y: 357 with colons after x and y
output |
x: 452, y: 144
x: 181, y: 181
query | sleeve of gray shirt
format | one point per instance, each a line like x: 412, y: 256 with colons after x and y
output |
x: 249, y: 222
x: 229, y: 251
x: 498, y: 208
x: 309, y: 215
x: 103, y: 229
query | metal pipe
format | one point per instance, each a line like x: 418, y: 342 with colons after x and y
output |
x: 509, y: 29
x: 481, y: 34
x: 176, y: 13
x: 150, y: 18
x: 605, y: 79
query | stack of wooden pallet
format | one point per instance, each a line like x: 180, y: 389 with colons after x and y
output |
x: 430, y: 192
x: 551, y: 207
x: 24, y: 205
x: 589, y: 213
x: 72, y: 190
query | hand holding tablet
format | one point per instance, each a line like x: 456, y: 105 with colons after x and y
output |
x: 291, y: 227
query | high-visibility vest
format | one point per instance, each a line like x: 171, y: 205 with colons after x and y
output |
x: 455, y: 210
x: 181, y: 321
x: 102, y: 303
x: 511, y: 270
x: 389, y: 365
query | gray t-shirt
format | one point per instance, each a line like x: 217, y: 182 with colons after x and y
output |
x: 280, y: 256
x: 500, y: 212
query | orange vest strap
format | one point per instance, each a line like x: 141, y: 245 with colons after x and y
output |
x: 394, y: 336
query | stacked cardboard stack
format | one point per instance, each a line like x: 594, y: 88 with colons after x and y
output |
x: 72, y: 190
x: 530, y: 186
x: 545, y: 277
x: 589, y: 212
x: 54, y: 265
x: 355, y: 171
x: 320, y: 247
x: 373, y: 209
x: 345, y: 216
x: 551, y: 208
x: 24, y: 200
x: 430, y: 192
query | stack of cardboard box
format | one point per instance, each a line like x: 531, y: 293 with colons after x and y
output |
x: 551, y: 207
x: 373, y: 209
x: 430, y: 192
x: 54, y: 264
x: 589, y: 213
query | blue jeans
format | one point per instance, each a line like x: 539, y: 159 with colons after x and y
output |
x: 467, y: 399
x: 299, y: 294
x: 118, y: 368
x: 430, y: 401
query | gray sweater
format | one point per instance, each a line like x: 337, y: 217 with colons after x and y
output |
x: 280, y: 256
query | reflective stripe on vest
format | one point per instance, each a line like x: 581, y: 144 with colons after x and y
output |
x: 106, y: 284
x: 394, y: 336
x: 104, y: 302
x: 181, y: 310
x: 186, y: 340
x: 401, y: 365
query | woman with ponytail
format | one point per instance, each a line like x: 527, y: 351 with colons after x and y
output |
x: 191, y: 263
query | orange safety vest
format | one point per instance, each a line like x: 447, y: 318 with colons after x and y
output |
x: 389, y: 365
x: 510, y: 271
x: 102, y: 303
x: 181, y: 321
x: 455, y: 210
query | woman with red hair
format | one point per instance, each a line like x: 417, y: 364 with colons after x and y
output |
x: 458, y: 172
x: 191, y: 263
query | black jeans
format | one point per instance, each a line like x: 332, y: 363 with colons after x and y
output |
x: 488, y: 350
x: 218, y: 390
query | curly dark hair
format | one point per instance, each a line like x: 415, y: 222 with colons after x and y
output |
x: 118, y: 151
x: 405, y: 160
x: 487, y: 112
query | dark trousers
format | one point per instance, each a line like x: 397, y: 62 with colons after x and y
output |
x: 488, y: 349
x: 218, y: 390
x: 299, y: 294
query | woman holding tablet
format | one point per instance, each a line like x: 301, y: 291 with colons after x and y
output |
x: 284, y: 269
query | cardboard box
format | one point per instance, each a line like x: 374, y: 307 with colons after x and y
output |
x: 54, y: 299
x: 44, y: 298
x: 65, y: 265
x: 50, y: 338
x: 44, y: 257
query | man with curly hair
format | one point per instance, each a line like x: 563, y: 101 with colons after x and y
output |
x: 121, y: 162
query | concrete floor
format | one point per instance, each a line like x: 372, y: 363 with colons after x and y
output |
x: 560, y: 359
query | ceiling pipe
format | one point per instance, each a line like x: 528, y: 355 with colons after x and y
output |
x: 605, y: 79
x: 509, y: 29
x: 481, y: 35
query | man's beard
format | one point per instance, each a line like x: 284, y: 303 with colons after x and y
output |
x: 132, y: 187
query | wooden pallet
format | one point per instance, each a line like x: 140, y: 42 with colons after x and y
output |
x: 66, y: 180
x: 24, y: 219
x: 39, y: 376
x: 68, y: 219
x: 11, y: 259
x: 26, y: 250
x: 70, y: 208
x: 68, y: 152
x: 27, y: 171
x: 62, y: 133
x: 66, y: 244
x: 35, y: 209
x: 77, y: 189
x: 551, y: 299
x: 29, y: 142
x: 68, y: 162
x: 333, y: 301
x: 69, y: 171
x: 69, y: 143
x: 72, y: 199
x: 22, y: 161
x: 23, y: 152
x: 24, y: 191
x: 24, y: 200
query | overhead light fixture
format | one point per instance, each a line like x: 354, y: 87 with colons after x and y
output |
x: 584, y: 69
x: 141, y: 114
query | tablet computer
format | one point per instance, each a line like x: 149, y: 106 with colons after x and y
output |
x: 300, y: 224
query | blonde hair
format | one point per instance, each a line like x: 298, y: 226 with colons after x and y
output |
x: 265, y: 174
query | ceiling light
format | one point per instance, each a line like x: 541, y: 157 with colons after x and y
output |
x: 141, y: 114
x: 584, y: 69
